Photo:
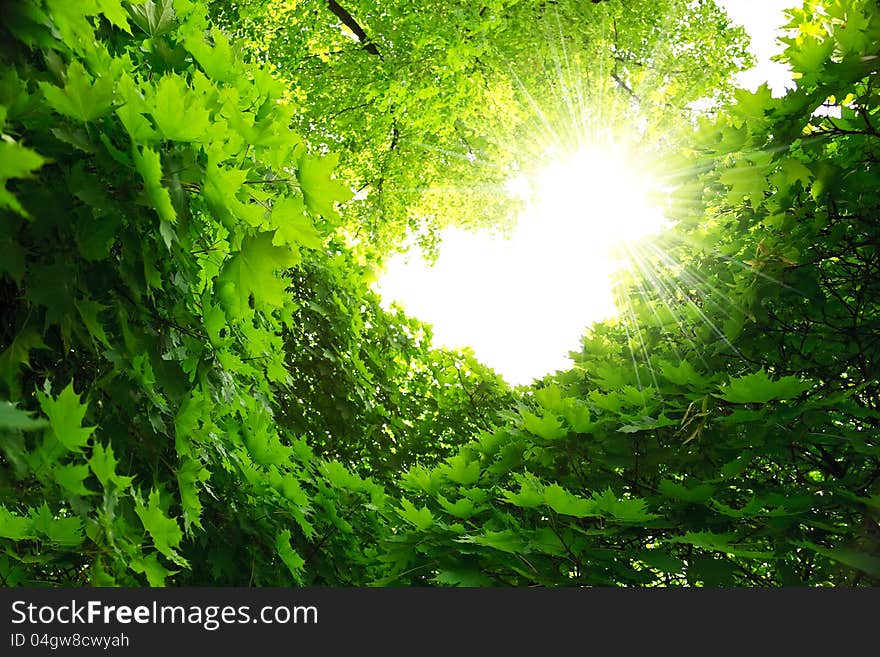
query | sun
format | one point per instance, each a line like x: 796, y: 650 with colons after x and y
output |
x: 598, y: 195
x: 522, y: 303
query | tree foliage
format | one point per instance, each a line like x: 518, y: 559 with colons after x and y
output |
x: 432, y: 104
x: 197, y: 385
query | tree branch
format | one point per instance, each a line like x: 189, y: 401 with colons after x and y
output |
x: 349, y: 21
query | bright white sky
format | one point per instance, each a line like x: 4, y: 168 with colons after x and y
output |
x: 522, y: 304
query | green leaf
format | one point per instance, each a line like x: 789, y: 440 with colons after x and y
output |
x: 746, y: 179
x: 18, y: 354
x: 462, y: 470
x: 469, y: 577
x: 66, y: 531
x: 547, y: 427
x: 154, y: 18
x: 103, y: 464
x: 847, y: 556
x: 578, y: 417
x: 150, y: 566
x: 463, y: 508
x: 564, y: 502
x: 149, y: 165
x: 71, y: 478
x: 682, y: 374
x: 251, y: 271
x: 80, y: 98
x: 759, y: 388
x: 217, y: 61
x: 65, y: 417
x: 115, y: 13
x: 16, y: 419
x: 621, y: 509
x: 178, y: 111
x: 16, y: 161
x: 164, y: 531
x: 421, y: 518
x: 190, y: 475
x: 506, y: 540
x: 293, y: 226
x: 289, y: 556
x: 530, y: 495
x: 708, y: 540
x: 89, y: 310
x: 662, y: 561
x: 696, y: 495
x: 320, y: 190
x: 13, y: 526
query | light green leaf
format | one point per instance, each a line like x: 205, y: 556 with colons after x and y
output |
x: 66, y: 531
x: 463, y: 508
x: 71, y: 478
x: 530, y: 495
x: 150, y: 566
x: 462, y: 470
x: 13, y: 526
x: 178, y: 111
x: 190, y: 475
x: 164, y: 531
x: 80, y: 98
x: 759, y: 388
x: 65, y: 417
x: 622, y: 509
x: 320, y: 190
x: 421, y: 518
x: 252, y: 271
x: 288, y: 555
x: 578, y: 417
x: 217, y: 61
x: 547, y: 427
x: 115, y: 13
x: 293, y: 226
x: 682, y: 374
x: 103, y: 464
x: 149, y: 165
x: 506, y: 540
x: 564, y: 502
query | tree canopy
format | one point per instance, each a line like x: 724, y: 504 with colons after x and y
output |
x: 198, y: 385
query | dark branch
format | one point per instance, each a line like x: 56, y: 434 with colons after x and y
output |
x: 623, y: 85
x: 349, y: 21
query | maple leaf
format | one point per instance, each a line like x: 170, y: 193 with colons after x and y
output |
x: 321, y: 192
x: 65, y: 415
x: 288, y: 555
x: 178, y: 111
x: 103, y: 464
x: 150, y: 567
x: 562, y: 501
x: 80, y: 98
x: 164, y: 531
x: 292, y: 224
x: 149, y: 165
x: 760, y: 388
x: 547, y: 427
x: 16, y: 161
x: 420, y: 518
x: 251, y: 271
